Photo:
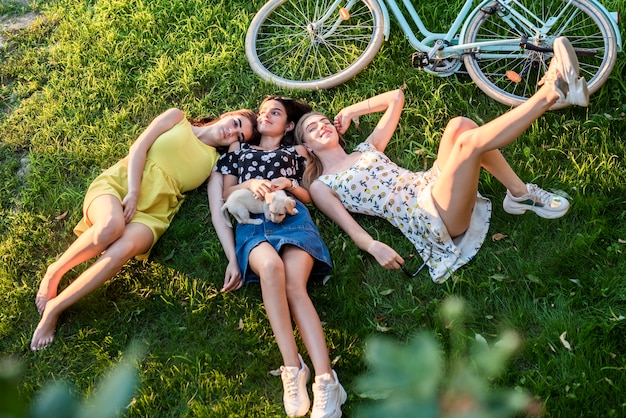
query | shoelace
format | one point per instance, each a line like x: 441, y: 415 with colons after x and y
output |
x: 540, y: 195
x: 292, y: 386
x: 321, y: 397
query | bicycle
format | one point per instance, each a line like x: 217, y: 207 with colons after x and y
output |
x: 505, y: 45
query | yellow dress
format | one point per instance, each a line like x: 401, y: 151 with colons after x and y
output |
x: 176, y: 163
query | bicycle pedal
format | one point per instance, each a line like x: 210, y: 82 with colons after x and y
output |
x: 419, y: 60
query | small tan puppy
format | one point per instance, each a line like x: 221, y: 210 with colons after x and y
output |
x: 241, y: 203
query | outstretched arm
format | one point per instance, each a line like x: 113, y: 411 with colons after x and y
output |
x: 328, y: 202
x: 390, y: 102
x: 232, y: 277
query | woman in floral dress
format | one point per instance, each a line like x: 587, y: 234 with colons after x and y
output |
x: 440, y: 211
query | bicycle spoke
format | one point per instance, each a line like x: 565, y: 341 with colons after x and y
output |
x: 303, y: 40
x: 512, y: 77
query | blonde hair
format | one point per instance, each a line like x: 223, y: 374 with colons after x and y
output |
x: 315, y: 166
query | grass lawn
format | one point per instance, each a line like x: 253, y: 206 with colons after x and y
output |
x: 87, y: 77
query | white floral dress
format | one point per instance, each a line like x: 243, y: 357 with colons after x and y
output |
x: 377, y: 186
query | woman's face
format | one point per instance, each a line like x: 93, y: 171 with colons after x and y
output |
x: 318, y: 130
x: 233, y: 128
x: 272, y: 119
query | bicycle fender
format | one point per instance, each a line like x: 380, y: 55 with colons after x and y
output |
x: 387, y: 26
x: 612, y: 16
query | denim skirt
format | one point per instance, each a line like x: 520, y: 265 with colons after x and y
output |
x: 298, y: 230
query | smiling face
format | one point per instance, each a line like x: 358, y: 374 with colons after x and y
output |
x: 316, y: 130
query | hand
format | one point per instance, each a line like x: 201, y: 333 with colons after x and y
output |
x: 129, y: 205
x: 342, y: 122
x: 281, y: 183
x: 232, y: 277
x: 385, y: 255
x: 259, y: 187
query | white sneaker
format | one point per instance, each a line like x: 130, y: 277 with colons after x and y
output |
x: 295, y: 397
x: 328, y: 396
x: 545, y: 204
x: 563, y: 74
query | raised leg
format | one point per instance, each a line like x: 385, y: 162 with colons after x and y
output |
x: 455, y: 191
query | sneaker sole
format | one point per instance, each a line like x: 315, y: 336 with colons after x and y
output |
x: 566, y: 55
x: 539, y: 211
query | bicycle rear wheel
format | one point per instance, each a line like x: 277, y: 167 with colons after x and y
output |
x: 313, y: 44
x: 509, y: 74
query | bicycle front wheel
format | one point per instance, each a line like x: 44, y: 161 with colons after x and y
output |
x: 313, y: 44
x: 508, y: 73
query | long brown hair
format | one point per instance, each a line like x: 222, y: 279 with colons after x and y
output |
x: 294, y: 109
x: 246, y: 113
x: 314, y: 166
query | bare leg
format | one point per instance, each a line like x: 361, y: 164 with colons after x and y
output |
x: 492, y: 161
x: 455, y: 191
x: 267, y: 263
x: 298, y: 266
x: 107, y: 216
x: 137, y: 239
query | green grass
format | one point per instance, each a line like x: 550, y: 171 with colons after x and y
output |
x: 79, y: 86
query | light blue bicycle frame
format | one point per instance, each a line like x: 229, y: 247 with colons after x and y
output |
x: 444, y: 41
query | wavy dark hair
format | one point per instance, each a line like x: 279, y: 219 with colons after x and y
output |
x: 294, y: 109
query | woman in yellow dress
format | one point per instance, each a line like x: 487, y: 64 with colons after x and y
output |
x: 129, y: 206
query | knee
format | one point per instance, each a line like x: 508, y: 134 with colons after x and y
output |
x: 123, y: 250
x: 462, y: 124
x: 467, y: 142
x: 272, y: 272
x: 296, y: 292
x: 108, y: 232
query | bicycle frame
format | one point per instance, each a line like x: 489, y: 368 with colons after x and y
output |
x: 462, y: 17
x: 444, y: 42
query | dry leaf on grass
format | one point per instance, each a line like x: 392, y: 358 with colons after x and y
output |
x: 498, y: 237
x: 565, y: 343
x: 275, y: 372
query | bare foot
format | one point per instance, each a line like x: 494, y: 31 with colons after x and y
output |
x: 47, y: 291
x: 44, y: 334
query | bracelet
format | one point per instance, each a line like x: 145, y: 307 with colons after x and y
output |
x: 294, y: 184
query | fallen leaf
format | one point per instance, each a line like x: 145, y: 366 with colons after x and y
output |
x: 481, y: 340
x: 576, y: 281
x: 62, y: 216
x: 275, y: 372
x: 565, y: 343
x: 381, y: 328
x: 498, y: 237
x: 498, y: 277
x: 386, y: 292
x: 240, y: 326
x: 621, y: 241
